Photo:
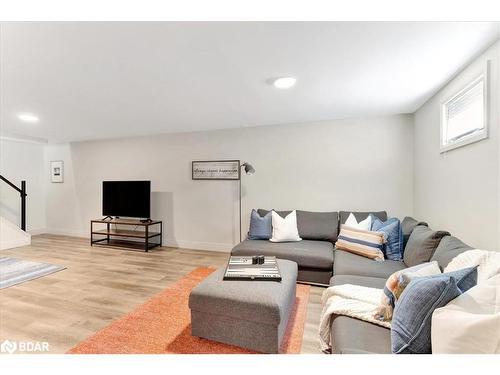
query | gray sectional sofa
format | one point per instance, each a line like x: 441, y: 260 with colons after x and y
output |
x: 313, y: 255
x: 320, y: 263
x: 349, y: 335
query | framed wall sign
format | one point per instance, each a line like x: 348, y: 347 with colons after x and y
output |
x: 216, y: 170
x: 57, y: 171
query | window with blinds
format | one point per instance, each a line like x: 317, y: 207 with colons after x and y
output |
x: 463, y: 117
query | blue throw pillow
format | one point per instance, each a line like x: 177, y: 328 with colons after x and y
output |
x: 465, y: 278
x: 261, y: 227
x: 411, y: 321
x: 393, y: 234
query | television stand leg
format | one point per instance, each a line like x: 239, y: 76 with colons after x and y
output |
x: 108, y: 217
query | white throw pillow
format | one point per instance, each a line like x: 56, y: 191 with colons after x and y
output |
x: 285, y: 229
x: 470, y: 323
x: 353, y: 223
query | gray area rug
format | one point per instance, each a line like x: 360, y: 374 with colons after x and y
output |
x: 15, y: 271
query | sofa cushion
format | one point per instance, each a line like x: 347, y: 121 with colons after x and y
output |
x: 283, y: 213
x: 354, y: 336
x: 319, y: 226
x: 449, y: 248
x: 315, y: 275
x: 371, y: 282
x: 311, y: 254
x: 351, y: 264
x: 360, y: 215
x: 408, y: 224
x: 421, y: 245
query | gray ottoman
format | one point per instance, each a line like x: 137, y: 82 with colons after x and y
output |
x: 250, y: 314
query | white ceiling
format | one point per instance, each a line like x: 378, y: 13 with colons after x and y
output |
x: 102, y: 80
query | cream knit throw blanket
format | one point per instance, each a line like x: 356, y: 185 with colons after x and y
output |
x: 350, y: 300
x: 488, y: 263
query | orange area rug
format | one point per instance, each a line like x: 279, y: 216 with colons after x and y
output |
x: 163, y: 325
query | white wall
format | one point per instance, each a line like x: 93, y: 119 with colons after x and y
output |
x: 22, y: 160
x: 459, y: 190
x: 64, y: 215
x: 362, y: 164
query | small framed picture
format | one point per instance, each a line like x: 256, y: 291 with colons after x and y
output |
x: 57, y: 171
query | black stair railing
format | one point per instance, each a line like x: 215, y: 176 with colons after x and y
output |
x: 22, y: 192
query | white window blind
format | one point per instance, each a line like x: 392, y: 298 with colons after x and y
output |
x: 463, y: 116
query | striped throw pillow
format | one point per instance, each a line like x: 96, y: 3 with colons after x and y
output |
x: 361, y: 242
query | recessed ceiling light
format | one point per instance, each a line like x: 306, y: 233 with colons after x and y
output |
x: 28, y: 117
x: 284, y: 82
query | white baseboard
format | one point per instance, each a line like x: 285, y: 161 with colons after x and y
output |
x: 35, y: 232
x: 67, y: 232
x: 195, y: 245
x: 4, y: 245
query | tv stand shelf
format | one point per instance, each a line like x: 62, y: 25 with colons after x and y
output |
x: 139, y: 237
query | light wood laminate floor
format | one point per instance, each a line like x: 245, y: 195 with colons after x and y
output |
x: 100, y: 285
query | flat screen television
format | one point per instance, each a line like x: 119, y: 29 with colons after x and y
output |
x: 126, y: 199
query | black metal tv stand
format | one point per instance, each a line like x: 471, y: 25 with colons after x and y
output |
x: 139, y: 237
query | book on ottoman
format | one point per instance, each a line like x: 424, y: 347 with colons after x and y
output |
x: 243, y: 268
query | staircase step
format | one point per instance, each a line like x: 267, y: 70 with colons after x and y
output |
x: 12, y: 236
